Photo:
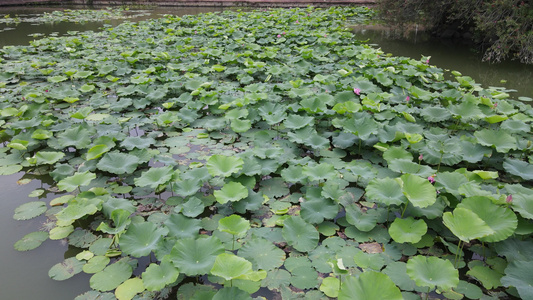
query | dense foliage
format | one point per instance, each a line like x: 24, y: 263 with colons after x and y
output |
x: 502, y: 28
x: 267, y: 151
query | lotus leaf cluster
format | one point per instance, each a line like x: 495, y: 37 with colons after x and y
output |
x: 268, y: 153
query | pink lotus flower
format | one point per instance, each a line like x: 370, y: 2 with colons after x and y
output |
x: 427, y: 61
x: 297, y: 22
x: 407, y: 98
x: 431, y: 179
x: 420, y: 157
x: 279, y: 35
x: 357, y: 91
x: 284, y: 33
x: 509, y: 199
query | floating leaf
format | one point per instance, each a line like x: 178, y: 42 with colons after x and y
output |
x: 75, y: 181
x: 369, y: 285
x: 231, y: 192
x: 432, y: 272
x: 299, y: 234
x: 419, y: 191
x: 141, y: 238
x: 262, y: 253
x: 118, y: 163
x: 31, y: 241
x: 196, y: 256
x: 519, y: 168
x: 155, y: 177
x: 220, y: 165
x: 234, y: 225
x: 66, y: 269
x: 520, y: 275
x: 315, y: 211
x: 407, y: 230
x: 111, y: 277
x: 96, y: 264
x: 30, y: 210
x: 466, y: 224
x: 386, y: 191
x: 156, y: 277
x: 501, y: 140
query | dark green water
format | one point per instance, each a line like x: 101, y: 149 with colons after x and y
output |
x: 25, y: 274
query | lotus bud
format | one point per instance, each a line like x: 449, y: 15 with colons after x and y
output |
x: 509, y: 199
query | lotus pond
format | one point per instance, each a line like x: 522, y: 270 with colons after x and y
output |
x: 241, y: 155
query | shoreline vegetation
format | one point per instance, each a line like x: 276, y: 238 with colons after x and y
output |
x: 266, y: 153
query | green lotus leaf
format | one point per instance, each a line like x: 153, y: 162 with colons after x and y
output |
x: 66, y: 269
x: 274, y: 188
x: 118, y: 163
x: 386, y: 191
x: 397, y: 271
x: 315, y: 211
x: 466, y: 224
x: 330, y: 286
x: 499, y: 139
x: 419, y: 191
x: 234, y: 225
x: 97, y: 151
x: 193, y: 207
x: 262, y: 253
x: 182, y: 227
x: 231, y: 192
x: 240, y: 126
x: 500, y: 219
x: 61, y: 232
x: 129, y: 288
x: 432, y: 272
x: 48, y: 157
x: 31, y: 241
x: 10, y: 170
x: 82, y: 113
x: 75, y: 181
x: 120, y: 218
x: 78, y: 137
x: 364, y: 260
x: 230, y: 266
x: 300, y: 235
x: 520, y: 275
x: 111, y: 277
x: 87, y: 88
x: 220, y: 165
x: 41, y: 134
x: 156, y: 277
x: 186, y: 187
x: 435, y: 114
x: 451, y: 181
x: 369, y: 285
x: 196, y: 256
x: 155, y: 177
x: 96, y: 264
x: 75, y: 211
x: 56, y: 79
x: 364, y: 221
x: 319, y: 172
x: 304, y: 277
x: 488, y: 277
x: 30, y: 210
x: 62, y: 171
x: 138, y: 142
x: 141, y: 238
x: 316, y: 141
x: 297, y: 121
x: 519, y: 168
x: 233, y: 293
x: 113, y: 204
x: 407, y: 230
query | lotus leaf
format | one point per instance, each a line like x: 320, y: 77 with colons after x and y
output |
x: 118, y: 163
x: 30, y: 210
x: 66, y: 269
x: 156, y: 277
x: 432, y: 272
x: 262, y: 253
x: 234, y: 225
x: 369, y: 285
x: 31, y: 241
x: 418, y: 191
x: 196, y: 256
x: 73, y: 182
x: 220, y: 165
x: 96, y: 264
x: 519, y: 274
x: 466, y: 224
x: 141, y: 238
x: 407, y: 230
x: 231, y: 192
x: 155, y: 177
x: 299, y: 234
x: 386, y: 191
x: 231, y: 293
x: 111, y: 277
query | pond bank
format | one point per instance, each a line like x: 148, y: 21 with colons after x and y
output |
x: 278, y: 3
